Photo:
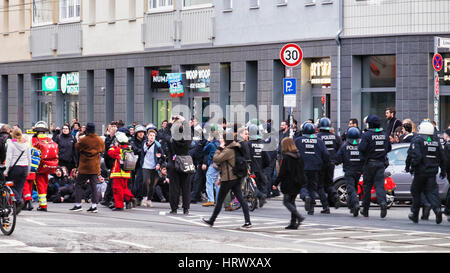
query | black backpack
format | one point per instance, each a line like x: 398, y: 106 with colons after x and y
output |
x: 240, y: 168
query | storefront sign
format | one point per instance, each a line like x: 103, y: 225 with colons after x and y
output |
x: 320, y: 72
x: 175, y: 84
x: 159, y: 79
x: 199, y: 79
x: 50, y: 84
x: 70, y: 83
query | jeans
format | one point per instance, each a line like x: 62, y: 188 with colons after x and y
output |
x: 138, y: 186
x: 289, y: 203
x: 212, y: 176
x: 374, y: 176
x: 235, y: 187
x: 198, y: 183
x: 81, y: 181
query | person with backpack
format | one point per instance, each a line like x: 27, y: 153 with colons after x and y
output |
x: 151, y: 161
x: 89, y: 148
x: 48, y: 164
x: 120, y: 176
x: 225, y: 155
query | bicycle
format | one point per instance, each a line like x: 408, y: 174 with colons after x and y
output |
x: 7, y: 208
x: 249, y: 190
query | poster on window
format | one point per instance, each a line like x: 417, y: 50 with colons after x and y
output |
x: 175, y: 84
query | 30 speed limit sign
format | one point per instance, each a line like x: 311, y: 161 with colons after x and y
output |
x: 291, y: 55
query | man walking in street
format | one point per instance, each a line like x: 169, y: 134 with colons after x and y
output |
x: 374, y: 147
x: 89, y: 147
x: 391, y: 123
x: 426, y: 156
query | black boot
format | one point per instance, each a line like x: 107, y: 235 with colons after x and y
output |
x: 365, y: 212
x: 355, y: 211
x: 439, y: 217
x: 414, y: 217
x: 383, y: 212
x: 425, y: 213
x: 28, y: 205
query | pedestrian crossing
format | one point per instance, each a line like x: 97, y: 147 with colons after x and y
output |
x: 351, y: 238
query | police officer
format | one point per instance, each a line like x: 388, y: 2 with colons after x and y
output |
x: 447, y: 155
x: 315, y: 155
x: 426, y: 156
x: 259, y: 160
x: 353, y: 163
x: 333, y: 142
x: 374, y: 147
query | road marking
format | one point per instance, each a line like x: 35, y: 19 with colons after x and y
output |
x: 331, y: 233
x: 416, y: 239
x: 131, y: 244
x: 35, y: 222
x: 373, y: 235
x: 326, y: 239
x: 73, y: 231
x: 446, y: 244
x: 270, y: 248
x: 21, y: 246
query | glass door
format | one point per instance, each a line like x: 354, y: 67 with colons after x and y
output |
x: 162, y: 110
x: 444, y: 102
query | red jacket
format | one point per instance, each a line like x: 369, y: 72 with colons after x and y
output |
x: 116, y: 152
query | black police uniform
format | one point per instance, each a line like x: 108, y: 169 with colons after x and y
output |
x: 259, y: 160
x: 374, y: 147
x: 315, y: 155
x: 333, y: 142
x: 426, y: 156
x: 353, y: 163
x: 447, y: 155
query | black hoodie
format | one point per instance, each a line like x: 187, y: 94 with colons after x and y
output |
x: 291, y: 175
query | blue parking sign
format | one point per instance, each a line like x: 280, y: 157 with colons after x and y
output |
x: 289, y: 86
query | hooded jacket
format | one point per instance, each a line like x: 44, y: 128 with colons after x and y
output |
x: 89, y: 148
x: 66, y: 146
x: 291, y: 175
x: 14, y: 149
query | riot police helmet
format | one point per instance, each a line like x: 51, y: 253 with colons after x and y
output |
x: 426, y: 128
x: 353, y: 133
x: 325, y: 124
x: 308, y: 128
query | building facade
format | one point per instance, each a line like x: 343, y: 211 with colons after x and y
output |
x: 109, y: 59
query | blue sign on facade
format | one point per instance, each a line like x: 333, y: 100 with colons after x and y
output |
x: 289, y: 86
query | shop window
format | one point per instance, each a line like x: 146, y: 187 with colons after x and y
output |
x: 376, y: 103
x: 69, y: 10
x: 190, y: 3
x: 378, y: 71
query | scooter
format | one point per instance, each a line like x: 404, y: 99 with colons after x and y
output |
x: 389, y: 186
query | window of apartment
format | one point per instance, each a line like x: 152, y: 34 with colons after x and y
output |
x: 42, y: 12
x: 160, y: 5
x: 254, y: 4
x: 5, y: 11
x: 132, y: 9
x: 92, y: 12
x: 378, y: 71
x: 227, y: 5
x: 190, y: 3
x: 69, y: 10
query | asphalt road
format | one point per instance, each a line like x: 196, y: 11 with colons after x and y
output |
x: 154, y: 230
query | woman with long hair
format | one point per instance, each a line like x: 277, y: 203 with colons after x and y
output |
x: 291, y: 177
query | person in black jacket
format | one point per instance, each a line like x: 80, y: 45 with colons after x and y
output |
x: 374, y: 147
x: 67, y: 153
x: 137, y: 143
x: 353, y: 163
x: 291, y: 177
x: 178, y: 145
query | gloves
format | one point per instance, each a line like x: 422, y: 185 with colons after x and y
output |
x: 442, y: 175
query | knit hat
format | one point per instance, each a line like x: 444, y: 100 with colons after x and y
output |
x: 90, y: 128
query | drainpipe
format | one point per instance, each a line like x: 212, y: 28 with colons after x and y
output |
x: 339, y: 44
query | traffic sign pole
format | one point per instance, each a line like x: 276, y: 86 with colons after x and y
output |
x: 289, y: 73
x: 437, y: 67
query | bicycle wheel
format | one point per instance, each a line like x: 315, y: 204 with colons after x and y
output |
x: 8, y: 213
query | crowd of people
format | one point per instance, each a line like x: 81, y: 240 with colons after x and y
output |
x: 187, y: 162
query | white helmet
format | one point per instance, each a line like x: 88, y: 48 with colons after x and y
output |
x: 426, y: 128
x: 139, y: 128
x: 121, y: 137
x: 41, y: 126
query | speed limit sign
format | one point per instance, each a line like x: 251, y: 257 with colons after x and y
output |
x: 291, y: 55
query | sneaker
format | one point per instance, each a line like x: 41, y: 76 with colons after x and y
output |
x: 325, y: 211
x: 41, y: 209
x: 247, y: 225
x: 173, y: 211
x: 292, y: 226
x: 93, y: 210
x: 117, y: 209
x: 76, y: 208
x: 413, y: 217
x: 185, y: 211
x: 29, y: 206
x: 208, y: 204
x: 208, y: 222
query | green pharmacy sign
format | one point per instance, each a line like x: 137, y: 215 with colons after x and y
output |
x: 50, y: 84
